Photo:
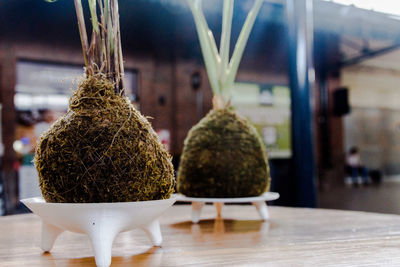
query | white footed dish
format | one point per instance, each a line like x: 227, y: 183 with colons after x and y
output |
x: 259, y: 203
x: 101, y: 222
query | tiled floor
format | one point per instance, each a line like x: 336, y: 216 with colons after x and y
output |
x: 383, y: 198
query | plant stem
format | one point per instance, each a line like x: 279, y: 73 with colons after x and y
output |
x: 104, y: 54
x: 93, y: 14
x: 82, y: 32
x: 119, y: 68
x: 210, y: 58
x: 225, y: 38
x: 241, y: 44
x: 222, y: 72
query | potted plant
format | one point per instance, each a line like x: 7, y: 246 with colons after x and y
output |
x: 102, y: 169
x: 102, y: 149
x: 223, y: 155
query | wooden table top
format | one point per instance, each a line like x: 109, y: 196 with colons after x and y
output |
x: 293, y: 237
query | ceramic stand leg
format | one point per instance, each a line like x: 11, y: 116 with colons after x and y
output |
x: 218, y: 206
x: 262, y: 209
x: 196, y: 211
x: 102, y: 237
x: 49, y: 236
x: 153, y: 231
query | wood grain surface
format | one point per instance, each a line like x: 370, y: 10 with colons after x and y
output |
x: 293, y: 237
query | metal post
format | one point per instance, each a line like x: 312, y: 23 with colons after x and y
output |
x: 323, y: 121
x: 302, y: 76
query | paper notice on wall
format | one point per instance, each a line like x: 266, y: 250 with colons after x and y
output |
x: 268, y: 108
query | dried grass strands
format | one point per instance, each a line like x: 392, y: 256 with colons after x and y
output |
x: 223, y: 157
x: 102, y: 150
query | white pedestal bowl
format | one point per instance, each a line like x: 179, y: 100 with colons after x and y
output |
x: 259, y: 203
x: 101, y: 222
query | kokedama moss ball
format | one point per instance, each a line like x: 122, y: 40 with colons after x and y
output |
x: 223, y: 156
x: 102, y: 150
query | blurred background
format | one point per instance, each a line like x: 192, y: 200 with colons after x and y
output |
x: 319, y: 80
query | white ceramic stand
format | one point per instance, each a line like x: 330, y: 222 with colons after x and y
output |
x: 101, y: 222
x: 259, y: 203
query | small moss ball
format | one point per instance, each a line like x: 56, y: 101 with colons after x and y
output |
x: 223, y: 157
x: 102, y: 150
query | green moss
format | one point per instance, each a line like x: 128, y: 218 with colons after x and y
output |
x: 223, y: 156
x: 102, y: 150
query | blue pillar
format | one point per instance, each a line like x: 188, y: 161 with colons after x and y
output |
x: 302, y: 76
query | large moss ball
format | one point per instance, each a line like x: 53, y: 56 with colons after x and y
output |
x: 223, y: 156
x: 102, y: 150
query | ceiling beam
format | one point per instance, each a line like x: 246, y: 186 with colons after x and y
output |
x: 368, y: 55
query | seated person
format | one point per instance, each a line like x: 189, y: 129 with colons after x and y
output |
x: 355, y: 168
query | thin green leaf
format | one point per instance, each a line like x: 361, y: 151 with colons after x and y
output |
x: 93, y: 14
x: 225, y: 38
x: 82, y: 31
x: 206, y: 48
x: 241, y: 44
